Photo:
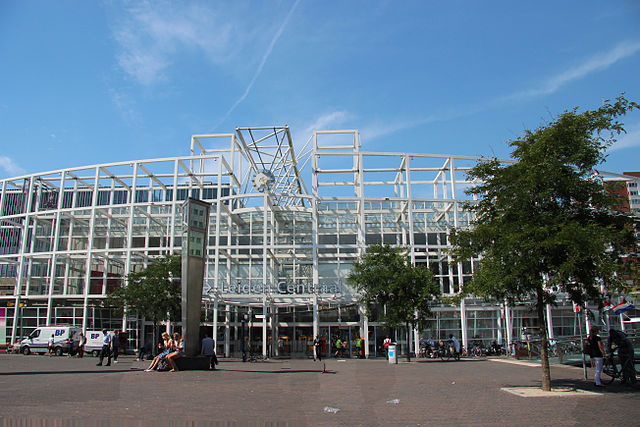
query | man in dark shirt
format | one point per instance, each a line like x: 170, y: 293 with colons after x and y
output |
x: 618, y: 340
x: 106, y: 348
x: 209, y: 350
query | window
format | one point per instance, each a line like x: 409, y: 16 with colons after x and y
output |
x: 67, y: 199
x: 119, y: 197
x: 182, y: 193
x: 142, y: 196
x: 103, y: 198
x: 156, y: 196
x: 83, y: 198
x: 209, y: 193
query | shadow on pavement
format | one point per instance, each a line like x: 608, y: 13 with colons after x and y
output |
x: 450, y: 360
x: 97, y: 371
x: 588, y: 385
x: 614, y: 387
x: 287, y: 371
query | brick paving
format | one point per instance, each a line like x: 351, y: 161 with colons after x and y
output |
x: 37, y: 390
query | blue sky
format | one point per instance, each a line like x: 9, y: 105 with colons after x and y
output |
x: 86, y: 82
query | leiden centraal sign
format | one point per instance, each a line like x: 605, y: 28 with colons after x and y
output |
x: 281, y: 288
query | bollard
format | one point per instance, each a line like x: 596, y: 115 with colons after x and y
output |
x: 393, y: 357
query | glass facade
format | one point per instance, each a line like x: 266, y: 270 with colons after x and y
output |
x: 284, y: 231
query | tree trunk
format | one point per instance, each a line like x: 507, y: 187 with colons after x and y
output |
x: 408, y: 346
x: 544, y: 355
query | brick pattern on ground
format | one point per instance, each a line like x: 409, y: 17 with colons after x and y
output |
x: 296, y: 392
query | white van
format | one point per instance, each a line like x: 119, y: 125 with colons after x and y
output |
x: 94, y: 342
x: 38, y: 340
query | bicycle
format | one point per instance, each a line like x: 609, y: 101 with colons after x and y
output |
x: 612, y: 369
x: 447, y: 352
x: 257, y: 357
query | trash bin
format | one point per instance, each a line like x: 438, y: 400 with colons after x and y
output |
x: 393, y: 357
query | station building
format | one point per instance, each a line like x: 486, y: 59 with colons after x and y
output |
x: 286, y: 224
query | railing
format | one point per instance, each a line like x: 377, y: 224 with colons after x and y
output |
x: 567, y: 350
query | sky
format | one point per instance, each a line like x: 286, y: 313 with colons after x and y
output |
x: 88, y: 82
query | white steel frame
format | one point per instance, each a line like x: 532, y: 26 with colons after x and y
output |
x: 113, y: 218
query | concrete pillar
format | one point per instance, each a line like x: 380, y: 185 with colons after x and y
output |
x: 227, y: 330
x: 214, y: 332
x: 507, y: 317
x: 463, y: 323
x: 500, y: 333
x: 264, y: 327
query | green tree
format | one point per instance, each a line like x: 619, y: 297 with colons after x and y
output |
x: 548, y: 219
x: 152, y: 293
x: 384, y: 276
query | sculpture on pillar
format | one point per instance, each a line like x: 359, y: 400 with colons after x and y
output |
x: 195, y: 225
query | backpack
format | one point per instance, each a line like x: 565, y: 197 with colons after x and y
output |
x: 586, y: 347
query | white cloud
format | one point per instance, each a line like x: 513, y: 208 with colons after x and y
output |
x: 10, y: 167
x: 333, y: 120
x: 259, y: 69
x: 376, y: 130
x: 596, y: 63
x: 125, y: 105
x: 150, y: 34
x: 629, y: 139
x: 327, y: 121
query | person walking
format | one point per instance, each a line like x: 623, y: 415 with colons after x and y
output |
x: 386, y: 343
x: 115, y: 345
x: 338, y: 347
x: 69, y: 346
x: 82, y: 341
x: 208, y: 349
x: 317, y: 343
x: 597, y: 354
x: 106, y: 348
x: 51, y: 344
x: 455, y: 344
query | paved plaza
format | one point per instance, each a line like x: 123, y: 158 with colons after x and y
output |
x: 62, y: 391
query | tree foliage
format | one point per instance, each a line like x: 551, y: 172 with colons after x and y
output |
x: 151, y: 292
x: 384, y: 276
x: 547, y: 219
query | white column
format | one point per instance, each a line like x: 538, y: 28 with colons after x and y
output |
x: 549, y: 322
x: 500, y: 332
x: 463, y: 323
x: 54, y: 249
x: 264, y: 326
x: 507, y: 317
x: 316, y: 328
x: 227, y: 329
x: 214, y: 333
x: 23, y: 247
x: 586, y: 319
x: 365, y: 327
